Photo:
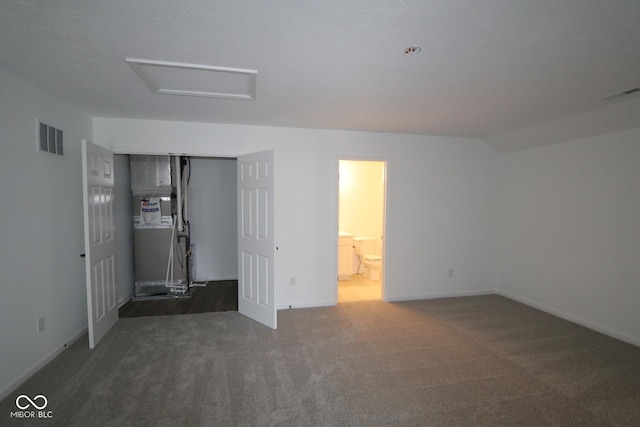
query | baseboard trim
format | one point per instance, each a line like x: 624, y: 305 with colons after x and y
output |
x: 125, y: 300
x: 400, y: 298
x: 392, y: 299
x: 582, y: 322
x: 306, y: 305
x: 219, y: 279
x: 41, y: 364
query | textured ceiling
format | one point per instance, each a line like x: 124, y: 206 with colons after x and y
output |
x: 486, y: 68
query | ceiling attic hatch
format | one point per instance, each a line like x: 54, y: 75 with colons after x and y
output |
x: 176, y: 78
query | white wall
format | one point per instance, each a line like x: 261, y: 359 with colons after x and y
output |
x: 570, y: 239
x: 41, y: 232
x: 613, y: 117
x: 442, y: 201
x: 213, y: 218
x: 124, y: 228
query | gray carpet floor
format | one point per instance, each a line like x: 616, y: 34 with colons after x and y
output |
x: 471, y: 361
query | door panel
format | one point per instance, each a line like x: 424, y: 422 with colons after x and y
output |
x: 99, y: 230
x: 256, y: 237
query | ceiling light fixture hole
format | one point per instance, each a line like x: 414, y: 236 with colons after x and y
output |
x: 412, y: 50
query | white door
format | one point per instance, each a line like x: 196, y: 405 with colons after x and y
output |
x: 99, y: 240
x: 256, y: 239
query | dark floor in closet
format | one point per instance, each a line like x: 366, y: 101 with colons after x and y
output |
x: 215, y: 296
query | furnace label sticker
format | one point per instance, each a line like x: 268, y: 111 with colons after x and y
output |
x: 150, y: 213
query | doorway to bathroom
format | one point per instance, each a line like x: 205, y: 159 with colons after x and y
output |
x: 361, y: 219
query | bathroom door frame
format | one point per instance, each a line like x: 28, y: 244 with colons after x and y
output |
x: 384, y: 289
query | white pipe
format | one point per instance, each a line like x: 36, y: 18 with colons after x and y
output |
x: 170, y: 260
x: 186, y: 195
x: 179, y: 189
x: 172, y: 276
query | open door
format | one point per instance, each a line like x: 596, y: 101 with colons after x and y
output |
x: 99, y: 240
x: 256, y: 237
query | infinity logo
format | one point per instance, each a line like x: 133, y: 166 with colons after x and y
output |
x: 30, y: 402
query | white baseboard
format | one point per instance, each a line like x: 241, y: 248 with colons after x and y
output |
x: 306, y: 305
x: 399, y: 298
x: 217, y: 279
x: 392, y: 299
x: 125, y: 300
x: 41, y: 364
x: 587, y: 324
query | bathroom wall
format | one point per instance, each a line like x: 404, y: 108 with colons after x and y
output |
x: 361, y: 199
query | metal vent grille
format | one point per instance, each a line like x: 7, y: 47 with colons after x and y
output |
x: 50, y: 139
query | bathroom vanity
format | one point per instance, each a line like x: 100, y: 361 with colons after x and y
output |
x: 345, y: 256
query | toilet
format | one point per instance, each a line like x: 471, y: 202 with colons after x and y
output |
x: 374, y: 266
x: 365, y: 249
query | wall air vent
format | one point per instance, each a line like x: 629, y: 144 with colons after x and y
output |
x: 50, y: 139
x: 176, y: 78
x: 621, y: 94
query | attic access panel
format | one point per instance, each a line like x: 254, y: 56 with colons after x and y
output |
x: 176, y: 78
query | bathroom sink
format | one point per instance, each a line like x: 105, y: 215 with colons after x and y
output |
x: 344, y: 234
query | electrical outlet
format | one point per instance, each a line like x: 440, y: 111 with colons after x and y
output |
x: 40, y: 323
x: 292, y: 281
